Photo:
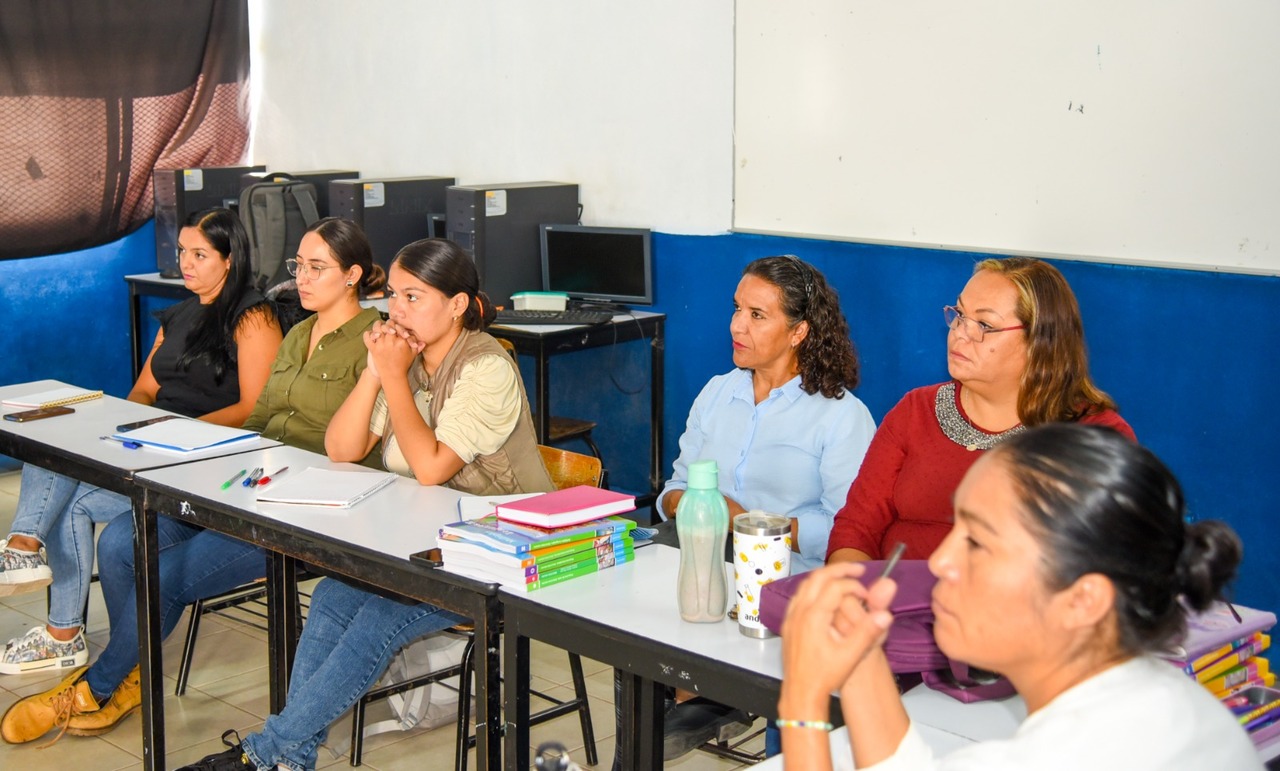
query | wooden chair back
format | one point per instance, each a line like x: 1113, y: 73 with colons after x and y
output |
x: 568, y: 469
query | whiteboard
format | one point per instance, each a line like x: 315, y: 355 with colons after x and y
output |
x: 1144, y: 131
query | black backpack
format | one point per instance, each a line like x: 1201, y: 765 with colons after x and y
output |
x: 276, y: 213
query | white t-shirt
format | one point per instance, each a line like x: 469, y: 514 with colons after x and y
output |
x: 1143, y: 714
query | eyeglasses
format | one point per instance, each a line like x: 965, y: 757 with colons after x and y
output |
x: 973, y: 329
x: 313, y: 271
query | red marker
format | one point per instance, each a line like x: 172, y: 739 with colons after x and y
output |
x: 268, y: 477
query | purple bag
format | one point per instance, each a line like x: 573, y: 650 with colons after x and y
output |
x: 910, y: 647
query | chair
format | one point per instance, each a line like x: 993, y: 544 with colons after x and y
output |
x: 564, y: 429
x: 566, y: 469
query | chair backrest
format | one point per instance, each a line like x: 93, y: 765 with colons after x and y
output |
x: 568, y: 469
x: 507, y: 346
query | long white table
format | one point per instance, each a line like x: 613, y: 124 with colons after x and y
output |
x: 369, y: 544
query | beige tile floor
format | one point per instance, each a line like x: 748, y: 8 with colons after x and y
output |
x: 228, y: 689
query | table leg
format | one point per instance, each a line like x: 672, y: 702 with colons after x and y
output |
x: 146, y: 558
x: 516, y: 658
x: 640, y: 744
x: 135, y: 324
x: 283, y: 625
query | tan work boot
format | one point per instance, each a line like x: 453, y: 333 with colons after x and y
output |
x: 126, y: 699
x: 35, y: 716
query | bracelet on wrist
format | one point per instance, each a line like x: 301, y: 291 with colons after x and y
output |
x: 821, y: 725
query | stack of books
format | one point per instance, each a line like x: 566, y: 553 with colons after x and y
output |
x: 1222, y: 651
x: 559, y: 536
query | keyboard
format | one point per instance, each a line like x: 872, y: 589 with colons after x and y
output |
x: 569, y: 316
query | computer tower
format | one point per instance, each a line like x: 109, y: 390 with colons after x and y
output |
x: 498, y: 226
x: 393, y: 212
x: 320, y: 179
x: 180, y: 192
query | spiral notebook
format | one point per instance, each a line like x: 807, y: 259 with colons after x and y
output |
x: 57, y: 397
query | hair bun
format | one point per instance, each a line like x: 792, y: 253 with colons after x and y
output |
x: 1210, y: 555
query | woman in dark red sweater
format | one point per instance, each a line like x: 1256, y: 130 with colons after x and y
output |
x: 1016, y: 355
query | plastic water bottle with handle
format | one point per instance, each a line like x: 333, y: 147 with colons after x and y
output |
x: 702, y: 523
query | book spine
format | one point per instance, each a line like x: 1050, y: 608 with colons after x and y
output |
x: 590, y: 550
x: 1237, y: 675
x: 1266, y: 680
x: 1243, y: 653
x: 591, y: 559
x: 1213, y: 655
x: 1254, y: 714
x: 585, y: 568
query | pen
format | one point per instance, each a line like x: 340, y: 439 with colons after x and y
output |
x: 892, y: 562
x: 268, y: 477
x: 128, y: 445
x: 233, y: 479
x: 253, y: 478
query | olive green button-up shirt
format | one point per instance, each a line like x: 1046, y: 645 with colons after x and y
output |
x: 302, y: 394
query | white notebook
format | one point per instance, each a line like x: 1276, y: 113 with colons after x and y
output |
x: 184, y: 435
x: 56, y: 397
x: 326, y: 487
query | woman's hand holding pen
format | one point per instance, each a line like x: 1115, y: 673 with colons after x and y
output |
x: 832, y: 623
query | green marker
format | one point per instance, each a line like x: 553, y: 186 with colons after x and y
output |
x: 233, y: 479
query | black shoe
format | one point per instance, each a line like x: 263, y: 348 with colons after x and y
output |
x: 697, y: 721
x: 232, y: 759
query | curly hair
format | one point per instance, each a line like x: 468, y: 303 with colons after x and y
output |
x: 1055, y: 384
x: 826, y: 357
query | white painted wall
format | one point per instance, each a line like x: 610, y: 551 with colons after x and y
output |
x: 632, y: 101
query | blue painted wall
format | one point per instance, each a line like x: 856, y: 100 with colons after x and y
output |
x: 1187, y: 354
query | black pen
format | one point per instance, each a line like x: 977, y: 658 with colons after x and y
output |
x: 269, y: 477
x: 253, y: 478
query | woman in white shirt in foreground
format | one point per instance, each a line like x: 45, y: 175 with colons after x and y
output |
x: 1063, y: 572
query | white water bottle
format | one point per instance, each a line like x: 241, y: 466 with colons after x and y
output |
x: 702, y: 523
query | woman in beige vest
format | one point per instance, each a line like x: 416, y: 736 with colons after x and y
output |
x: 447, y: 404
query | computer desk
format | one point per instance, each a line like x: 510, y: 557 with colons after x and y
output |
x: 627, y: 617
x: 368, y: 545
x: 71, y: 445
x: 543, y: 342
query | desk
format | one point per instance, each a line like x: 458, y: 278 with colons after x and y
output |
x: 70, y: 445
x: 543, y: 342
x: 627, y: 617
x: 148, y: 284
x: 368, y: 545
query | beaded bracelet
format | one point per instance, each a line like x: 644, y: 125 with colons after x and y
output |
x: 819, y: 724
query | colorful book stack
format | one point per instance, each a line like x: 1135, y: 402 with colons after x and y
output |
x: 527, y: 557
x: 1222, y: 651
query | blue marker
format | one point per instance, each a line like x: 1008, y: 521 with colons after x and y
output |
x: 253, y: 478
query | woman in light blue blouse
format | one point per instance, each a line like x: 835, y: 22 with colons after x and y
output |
x: 783, y: 427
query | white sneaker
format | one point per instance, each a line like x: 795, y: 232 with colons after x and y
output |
x: 22, y: 571
x: 37, y: 650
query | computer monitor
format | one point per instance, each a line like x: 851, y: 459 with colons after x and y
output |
x: 597, y: 264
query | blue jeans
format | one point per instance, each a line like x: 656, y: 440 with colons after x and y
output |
x: 194, y: 563
x: 60, y: 512
x: 346, y: 645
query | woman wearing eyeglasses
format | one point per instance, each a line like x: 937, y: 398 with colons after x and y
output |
x: 1016, y: 356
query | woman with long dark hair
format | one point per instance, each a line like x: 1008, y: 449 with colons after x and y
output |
x: 210, y: 360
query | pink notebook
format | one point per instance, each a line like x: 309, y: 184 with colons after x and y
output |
x: 569, y: 506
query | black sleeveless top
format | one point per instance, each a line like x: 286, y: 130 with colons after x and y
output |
x: 193, y: 391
